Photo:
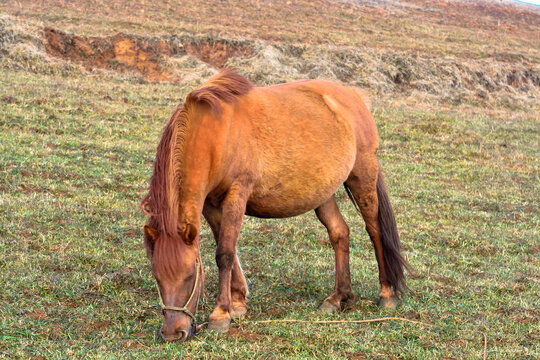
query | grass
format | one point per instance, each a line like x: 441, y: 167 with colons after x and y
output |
x: 75, y: 157
x: 76, y: 152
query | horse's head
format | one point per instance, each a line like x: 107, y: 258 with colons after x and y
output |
x: 177, y: 267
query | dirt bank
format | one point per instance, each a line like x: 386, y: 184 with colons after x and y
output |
x: 146, y: 56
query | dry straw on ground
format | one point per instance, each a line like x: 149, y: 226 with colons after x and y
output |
x: 191, y: 59
x: 22, y: 48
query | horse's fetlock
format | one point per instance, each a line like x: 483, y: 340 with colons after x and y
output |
x: 347, y: 295
x: 226, y: 308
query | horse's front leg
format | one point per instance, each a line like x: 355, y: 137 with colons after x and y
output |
x: 239, y: 290
x: 234, y: 207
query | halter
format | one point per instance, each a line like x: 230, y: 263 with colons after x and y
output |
x: 184, y: 309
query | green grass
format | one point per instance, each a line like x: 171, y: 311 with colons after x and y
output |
x: 75, y: 157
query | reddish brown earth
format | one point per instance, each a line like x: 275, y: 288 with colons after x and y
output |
x: 125, y: 53
x: 119, y: 52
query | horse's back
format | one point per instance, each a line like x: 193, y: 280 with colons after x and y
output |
x: 351, y: 104
x: 306, y: 137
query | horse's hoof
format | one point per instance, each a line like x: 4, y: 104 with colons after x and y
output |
x: 389, y: 303
x: 221, y: 325
x: 238, y: 311
x: 328, y: 307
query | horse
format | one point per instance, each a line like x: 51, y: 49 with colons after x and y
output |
x: 234, y: 149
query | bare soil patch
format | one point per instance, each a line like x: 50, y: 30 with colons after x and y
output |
x: 124, y: 53
x: 119, y: 52
x: 243, y: 334
x: 217, y: 53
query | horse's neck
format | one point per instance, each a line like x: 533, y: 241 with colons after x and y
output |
x: 192, y: 189
x: 191, y: 196
x: 205, y: 160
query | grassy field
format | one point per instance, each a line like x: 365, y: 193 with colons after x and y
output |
x: 76, y: 151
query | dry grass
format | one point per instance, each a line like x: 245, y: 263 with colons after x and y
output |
x: 190, y: 59
x: 21, y: 46
x: 423, y: 26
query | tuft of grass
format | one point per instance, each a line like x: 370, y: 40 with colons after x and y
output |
x: 21, y: 48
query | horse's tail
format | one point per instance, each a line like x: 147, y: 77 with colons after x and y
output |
x: 394, y: 262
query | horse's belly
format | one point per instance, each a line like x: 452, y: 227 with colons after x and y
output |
x: 298, y: 189
x: 282, y: 208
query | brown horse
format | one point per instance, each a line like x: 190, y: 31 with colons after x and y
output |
x: 272, y: 152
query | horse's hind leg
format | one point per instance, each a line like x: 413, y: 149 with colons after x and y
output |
x: 239, y: 290
x: 329, y: 215
x: 366, y: 186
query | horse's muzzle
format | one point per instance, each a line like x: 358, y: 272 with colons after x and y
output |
x: 177, y: 326
x: 170, y: 334
x: 179, y: 335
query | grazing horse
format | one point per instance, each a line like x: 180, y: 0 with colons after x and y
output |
x: 270, y: 152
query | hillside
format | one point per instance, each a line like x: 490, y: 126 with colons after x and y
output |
x: 454, y: 50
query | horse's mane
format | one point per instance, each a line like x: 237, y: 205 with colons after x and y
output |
x: 162, y: 201
x: 225, y: 86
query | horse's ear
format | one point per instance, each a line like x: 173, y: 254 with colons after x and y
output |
x: 190, y: 234
x: 150, y: 234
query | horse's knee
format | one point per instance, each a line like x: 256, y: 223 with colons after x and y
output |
x: 340, y: 236
x: 224, y: 260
